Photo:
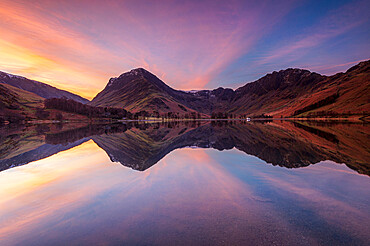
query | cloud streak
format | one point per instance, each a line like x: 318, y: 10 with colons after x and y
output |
x: 336, y: 23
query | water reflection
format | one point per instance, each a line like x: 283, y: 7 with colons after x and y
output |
x: 190, y: 197
x: 142, y: 145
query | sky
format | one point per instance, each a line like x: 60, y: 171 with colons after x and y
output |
x: 78, y: 45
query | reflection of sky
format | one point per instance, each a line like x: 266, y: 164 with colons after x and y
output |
x: 192, y: 195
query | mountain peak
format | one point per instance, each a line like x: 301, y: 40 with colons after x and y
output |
x: 134, y: 72
x: 362, y: 66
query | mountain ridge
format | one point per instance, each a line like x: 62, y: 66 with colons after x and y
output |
x: 291, y: 92
x: 280, y: 93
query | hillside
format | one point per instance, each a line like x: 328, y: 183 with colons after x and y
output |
x: 17, y: 104
x: 25, y: 98
x: 290, y: 92
x: 352, y: 88
x: 41, y: 89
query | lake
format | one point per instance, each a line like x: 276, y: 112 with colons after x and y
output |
x: 185, y: 183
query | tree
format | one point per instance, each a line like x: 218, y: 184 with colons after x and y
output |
x: 42, y: 114
x: 59, y: 116
x: 69, y: 105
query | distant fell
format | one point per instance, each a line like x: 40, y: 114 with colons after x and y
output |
x: 41, y: 89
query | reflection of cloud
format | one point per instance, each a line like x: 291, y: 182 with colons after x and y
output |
x: 35, y: 193
x: 311, y: 188
x: 78, y: 196
x: 43, y: 196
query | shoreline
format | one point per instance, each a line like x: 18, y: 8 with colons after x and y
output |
x: 94, y: 121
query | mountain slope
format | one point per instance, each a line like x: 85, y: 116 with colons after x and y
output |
x: 351, y: 89
x: 290, y: 92
x: 16, y: 104
x: 41, y: 89
x: 23, y: 97
x: 274, y: 92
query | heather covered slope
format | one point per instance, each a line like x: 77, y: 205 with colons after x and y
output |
x: 41, y: 89
x: 352, y: 89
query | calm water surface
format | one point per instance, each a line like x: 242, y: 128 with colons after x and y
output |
x: 204, y: 183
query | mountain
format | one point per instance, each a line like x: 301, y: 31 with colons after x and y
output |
x: 287, y: 93
x: 274, y: 92
x: 297, y: 92
x: 290, y: 92
x: 141, y: 90
x: 41, y: 89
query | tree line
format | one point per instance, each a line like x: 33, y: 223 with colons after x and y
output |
x: 71, y: 106
x: 225, y: 115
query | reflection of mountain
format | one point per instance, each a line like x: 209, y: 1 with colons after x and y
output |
x: 285, y: 144
x: 21, y: 145
x: 282, y: 144
x: 38, y: 153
